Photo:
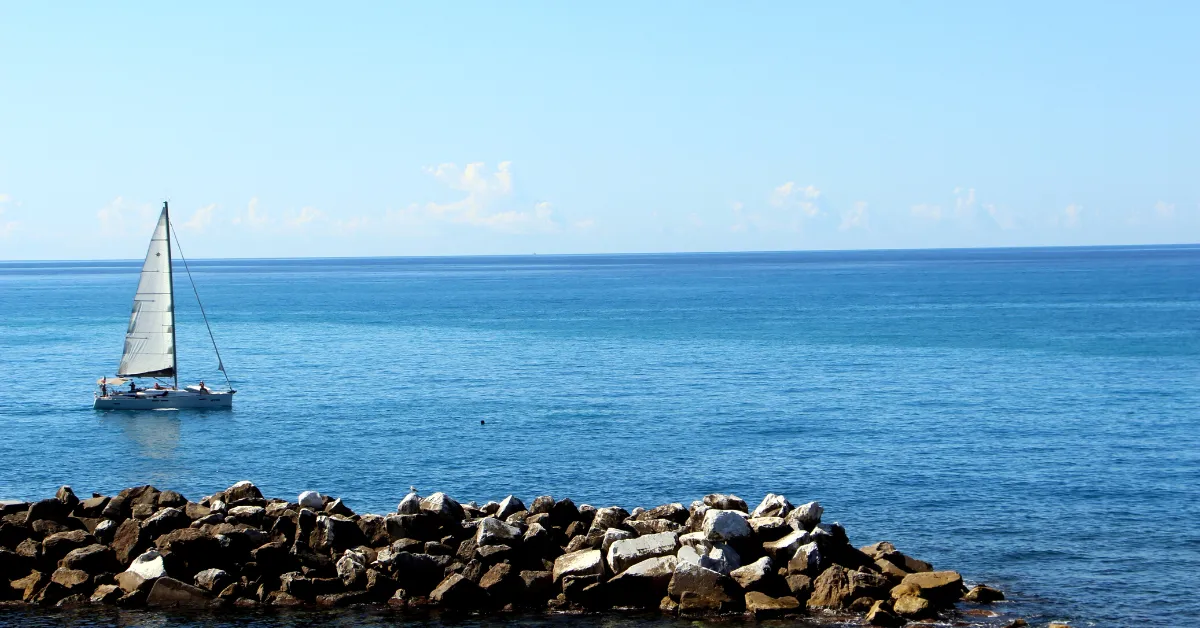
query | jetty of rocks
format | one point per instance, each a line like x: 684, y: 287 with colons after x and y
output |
x: 236, y: 549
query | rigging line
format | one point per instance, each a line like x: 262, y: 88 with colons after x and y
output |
x: 220, y: 363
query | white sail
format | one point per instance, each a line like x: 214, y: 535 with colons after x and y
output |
x: 150, y: 340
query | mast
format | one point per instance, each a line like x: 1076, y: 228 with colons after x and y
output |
x: 171, y: 287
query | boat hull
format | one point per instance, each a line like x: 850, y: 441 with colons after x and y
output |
x: 164, y: 400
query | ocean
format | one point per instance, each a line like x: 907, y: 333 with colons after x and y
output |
x: 1028, y: 417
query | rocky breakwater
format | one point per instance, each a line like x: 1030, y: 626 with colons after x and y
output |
x: 149, y: 548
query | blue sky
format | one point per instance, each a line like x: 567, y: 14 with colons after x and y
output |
x: 493, y: 128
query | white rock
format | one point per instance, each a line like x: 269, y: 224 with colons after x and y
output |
x: 783, y: 549
x: 509, y: 506
x: 725, y: 525
x: 772, y: 506
x: 693, y: 538
x: 748, y: 575
x: 805, y: 517
x: 149, y: 565
x: 492, y: 531
x: 625, y: 553
x: 657, y: 566
x: 217, y: 507
x: 351, y: 567
x: 581, y: 563
x: 247, y: 513
x: 612, y: 535
x: 717, y: 557
x: 410, y: 505
x: 311, y: 499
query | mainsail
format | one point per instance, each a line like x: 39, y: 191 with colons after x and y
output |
x: 150, y: 340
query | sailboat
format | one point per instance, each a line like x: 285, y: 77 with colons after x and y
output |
x: 150, y: 342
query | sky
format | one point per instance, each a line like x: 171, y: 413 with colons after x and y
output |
x: 362, y: 129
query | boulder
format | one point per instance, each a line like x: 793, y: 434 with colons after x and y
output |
x: 244, y: 491
x: 93, y: 559
x: 541, y: 505
x: 169, y: 593
x: 214, y: 580
x: 983, y: 594
x: 806, y: 516
x: 754, y: 577
x: 311, y: 500
x: 509, y: 506
x: 410, y: 505
x: 416, y: 573
x: 492, y: 531
x: 442, y: 505
x: 943, y: 588
x: 106, y: 594
x: 374, y: 528
x: 783, y: 549
x: 67, y: 497
x: 380, y: 586
x: 710, y: 590
x: 129, y: 540
x: 611, y: 517
x: 772, y: 506
x: 880, y: 614
x: 563, y: 513
x: 718, y: 557
x: 171, y: 499
x: 190, y: 548
x: 338, y: 507
x: 46, y: 509
x: 674, y: 512
x: 719, y: 501
x: 72, y: 580
x: 539, y: 542
x: 581, y: 563
x: 342, y: 534
x: 725, y: 525
x: 537, y: 585
x: 501, y: 582
x: 251, y: 515
x: 423, y: 526
x: 29, y: 586
x: 164, y: 521
x: 612, y: 535
x: 763, y: 606
x: 807, y: 559
x: 458, y: 593
x: 625, y: 553
x: 800, y: 585
x: 769, y: 528
x: 352, y: 567
x: 105, y: 531
x: 913, y: 607
x: 92, y: 507
x: 148, y: 566
x: 837, y: 587
x: 59, y: 544
x: 653, y: 526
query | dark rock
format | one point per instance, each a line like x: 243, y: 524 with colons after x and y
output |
x: 671, y: 512
x: 913, y: 607
x: 343, y: 599
x: 171, y: 499
x: 243, y: 493
x: 43, y: 528
x: 457, y: 592
x: 338, y: 507
x: 541, y: 505
x: 644, y: 584
x: 763, y: 606
x: 274, y: 558
x: 537, y: 586
x: 492, y: 531
x: 611, y: 517
x: 67, y: 497
x: 501, y: 582
x: 129, y: 541
x: 380, y: 586
x: 653, y: 526
x: 757, y: 576
x: 374, y: 529
x: 92, y: 559
x: 57, y: 545
x: 196, y: 511
x: 92, y: 507
x: 47, y: 509
x: 105, y: 531
x: 881, y: 614
x: 563, y: 513
x: 30, y: 549
x: 725, y: 502
x: 713, y: 589
x: 423, y: 526
x: 12, y: 507
x: 164, y: 521
x: 837, y: 587
x: 343, y: 534
x: 509, y: 506
x: 492, y: 554
x: 106, y: 594
x: 12, y: 535
x: 214, y: 580
x: 807, y: 560
x: 72, y: 580
x: 416, y: 573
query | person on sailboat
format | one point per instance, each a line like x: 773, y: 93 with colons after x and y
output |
x: 132, y: 386
x: 104, y: 387
x: 203, y: 388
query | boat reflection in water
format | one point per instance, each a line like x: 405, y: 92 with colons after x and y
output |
x: 156, y: 432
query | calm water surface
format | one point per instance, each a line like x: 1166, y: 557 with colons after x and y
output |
x: 1026, y: 416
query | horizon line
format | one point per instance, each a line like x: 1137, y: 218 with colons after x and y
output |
x: 644, y: 253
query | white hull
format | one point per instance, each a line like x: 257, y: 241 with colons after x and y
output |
x: 163, y: 399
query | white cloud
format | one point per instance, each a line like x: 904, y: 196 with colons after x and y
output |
x: 927, y: 211
x: 487, y: 203
x: 1072, y: 214
x: 6, y: 227
x: 4, y: 198
x: 1164, y: 210
x: 201, y: 219
x: 118, y: 214
x: 964, y: 202
x: 586, y: 224
x: 306, y: 216
x: 352, y: 225
x: 253, y: 217
x: 791, y: 196
x: 855, y: 217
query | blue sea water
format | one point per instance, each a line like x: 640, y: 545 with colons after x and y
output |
x: 1028, y: 417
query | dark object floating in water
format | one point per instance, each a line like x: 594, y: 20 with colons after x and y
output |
x: 236, y: 549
